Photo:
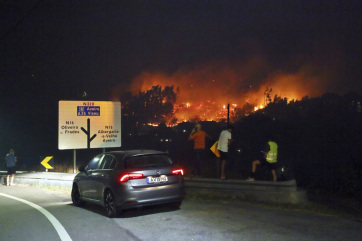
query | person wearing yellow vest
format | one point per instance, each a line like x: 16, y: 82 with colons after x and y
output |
x: 269, y: 160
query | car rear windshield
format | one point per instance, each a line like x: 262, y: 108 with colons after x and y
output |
x: 148, y: 161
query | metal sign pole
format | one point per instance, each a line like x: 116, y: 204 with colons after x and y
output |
x: 228, y: 114
x: 75, y: 160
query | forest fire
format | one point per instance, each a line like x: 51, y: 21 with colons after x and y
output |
x: 203, y: 94
x: 205, y: 111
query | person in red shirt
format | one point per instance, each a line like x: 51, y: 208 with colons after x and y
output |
x: 199, y: 137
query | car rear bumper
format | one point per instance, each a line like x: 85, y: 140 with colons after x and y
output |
x: 145, y: 196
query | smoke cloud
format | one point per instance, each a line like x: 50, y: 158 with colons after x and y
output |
x: 224, y: 82
x: 205, y: 89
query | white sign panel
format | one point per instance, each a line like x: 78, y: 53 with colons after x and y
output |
x: 89, y: 124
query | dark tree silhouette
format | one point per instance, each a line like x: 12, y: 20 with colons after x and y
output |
x: 152, y: 106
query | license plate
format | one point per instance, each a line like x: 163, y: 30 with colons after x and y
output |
x: 159, y: 179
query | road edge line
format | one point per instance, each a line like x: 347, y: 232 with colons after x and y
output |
x: 63, y: 234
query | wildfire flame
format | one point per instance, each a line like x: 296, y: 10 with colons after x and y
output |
x: 205, y: 91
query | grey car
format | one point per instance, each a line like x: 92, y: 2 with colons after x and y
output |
x: 122, y: 180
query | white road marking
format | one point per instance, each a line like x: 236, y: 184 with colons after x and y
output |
x: 64, y: 236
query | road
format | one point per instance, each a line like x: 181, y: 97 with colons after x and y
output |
x: 34, y: 213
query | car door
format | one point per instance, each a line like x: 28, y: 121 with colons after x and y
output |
x: 103, y: 174
x: 89, y: 184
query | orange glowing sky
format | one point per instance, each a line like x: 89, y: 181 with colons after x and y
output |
x: 218, y: 83
x: 231, y: 83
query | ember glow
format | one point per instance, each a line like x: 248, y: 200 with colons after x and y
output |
x: 205, y: 92
x: 206, y: 111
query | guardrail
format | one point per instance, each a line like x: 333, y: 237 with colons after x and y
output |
x: 285, y: 192
x: 42, y: 178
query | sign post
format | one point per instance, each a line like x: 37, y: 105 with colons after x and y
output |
x: 89, y: 124
x: 75, y: 160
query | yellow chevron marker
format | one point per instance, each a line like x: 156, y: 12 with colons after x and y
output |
x: 45, y: 162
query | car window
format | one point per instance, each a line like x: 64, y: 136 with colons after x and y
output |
x: 93, y: 164
x: 113, y: 163
x: 148, y: 161
x: 107, y: 162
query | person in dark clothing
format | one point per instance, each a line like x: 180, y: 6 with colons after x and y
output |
x: 11, y: 166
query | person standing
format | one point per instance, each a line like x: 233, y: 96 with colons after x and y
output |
x: 11, y: 166
x: 269, y: 160
x: 198, y: 136
x: 223, y: 147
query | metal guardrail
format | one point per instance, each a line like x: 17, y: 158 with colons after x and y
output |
x: 290, y: 185
x: 285, y: 192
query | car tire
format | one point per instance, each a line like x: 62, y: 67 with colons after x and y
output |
x: 76, y: 196
x: 110, y: 204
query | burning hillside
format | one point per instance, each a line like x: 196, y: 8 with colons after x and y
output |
x: 205, y: 92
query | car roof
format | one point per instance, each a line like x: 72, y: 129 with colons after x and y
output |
x: 131, y: 153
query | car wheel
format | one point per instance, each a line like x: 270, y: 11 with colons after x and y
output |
x: 76, y: 196
x: 110, y: 204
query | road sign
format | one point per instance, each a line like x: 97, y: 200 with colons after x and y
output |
x: 45, y: 162
x: 89, y: 124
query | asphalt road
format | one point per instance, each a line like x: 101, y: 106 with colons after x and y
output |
x: 34, y: 213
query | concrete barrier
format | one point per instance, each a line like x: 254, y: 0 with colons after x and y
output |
x: 42, y: 178
x: 285, y: 192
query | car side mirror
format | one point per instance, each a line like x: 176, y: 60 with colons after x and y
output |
x: 81, y: 169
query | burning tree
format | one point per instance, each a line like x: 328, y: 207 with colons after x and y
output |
x: 152, y: 106
x: 267, y: 96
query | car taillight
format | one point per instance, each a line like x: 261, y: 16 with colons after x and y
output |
x: 178, y: 172
x: 128, y: 176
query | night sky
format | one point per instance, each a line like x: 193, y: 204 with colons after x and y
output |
x: 56, y: 50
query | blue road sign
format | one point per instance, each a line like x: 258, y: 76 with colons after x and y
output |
x: 88, y: 110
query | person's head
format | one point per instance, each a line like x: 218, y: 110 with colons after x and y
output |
x: 230, y: 128
x: 198, y: 126
x: 12, y: 151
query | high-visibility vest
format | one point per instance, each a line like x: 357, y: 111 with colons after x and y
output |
x: 273, y: 153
